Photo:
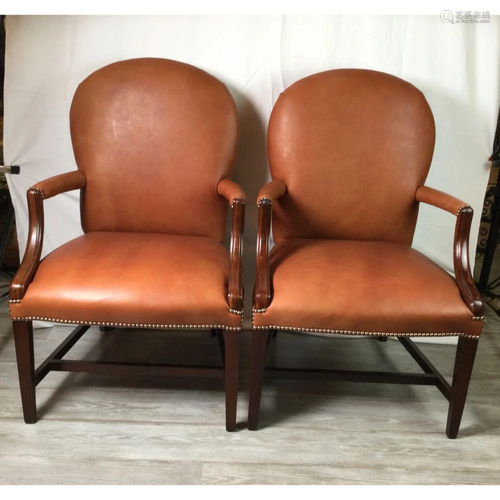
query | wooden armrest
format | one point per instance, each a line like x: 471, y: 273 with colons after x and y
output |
x: 36, y: 195
x: 267, y: 195
x: 237, y: 199
x: 461, y: 264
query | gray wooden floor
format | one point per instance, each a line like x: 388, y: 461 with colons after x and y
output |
x: 108, y: 430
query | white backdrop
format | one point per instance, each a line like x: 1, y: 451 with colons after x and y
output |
x: 457, y: 66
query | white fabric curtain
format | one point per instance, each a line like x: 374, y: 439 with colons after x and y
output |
x: 455, y: 65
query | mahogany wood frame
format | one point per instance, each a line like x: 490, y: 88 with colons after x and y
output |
x: 29, y: 377
x: 456, y: 393
x: 31, y: 259
x: 267, y: 195
x: 235, y: 290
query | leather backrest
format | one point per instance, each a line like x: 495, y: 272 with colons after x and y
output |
x: 153, y: 137
x: 352, y: 147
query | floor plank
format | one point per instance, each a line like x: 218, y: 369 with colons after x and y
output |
x: 127, y: 430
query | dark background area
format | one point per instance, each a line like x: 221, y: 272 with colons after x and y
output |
x: 9, y: 258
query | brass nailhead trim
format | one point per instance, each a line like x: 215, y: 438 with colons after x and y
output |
x: 264, y: 199
x: 130, y: 325
x: 462, y: 207
x: 240, y: 313
x: 38, y: 190
x: 238, y: 200
x: 352, y: 332
x: 134, y: 325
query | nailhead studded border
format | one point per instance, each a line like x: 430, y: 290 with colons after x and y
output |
x: 38, y: 190
x: 264, y: 199
x: 130, y: 325
x: 238, y: 200
x: 352, y: 332
x: 134, y: 325
x: 462, y: 207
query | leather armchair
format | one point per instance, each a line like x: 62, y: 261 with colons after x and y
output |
x: 349, y: 152
x: 155, y: 142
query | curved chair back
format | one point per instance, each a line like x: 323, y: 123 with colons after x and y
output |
x: 153, y: 137
x: 352, y: 146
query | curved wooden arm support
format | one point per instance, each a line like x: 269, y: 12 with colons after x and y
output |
x: 36, y: 195
x: 461, y: 264
x: 236, y: 198
x: 235, y: 291
x: 267, y: 195
x: 262, y: 289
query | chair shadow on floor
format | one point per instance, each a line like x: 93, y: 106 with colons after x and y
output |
x: 283, y: 400
x: 292, y: 399
x: 134, y: 345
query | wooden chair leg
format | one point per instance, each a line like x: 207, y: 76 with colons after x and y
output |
x: 464, y: 362
x: 23, y: 337
x: 231, y: 377
x: 222, y: 348
x: 260, y: 341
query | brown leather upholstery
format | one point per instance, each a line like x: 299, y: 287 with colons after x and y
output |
x: 271, y: 191
x: 352, y: 146
x: 154, y: 137
x: 40, y: 191
x: 349, y: 151
x: 154, y: 141
x: 439, y: 199
x: 362, y: 287
x: 62, y: 183
x: 231, y: 191
x: 149, y: 280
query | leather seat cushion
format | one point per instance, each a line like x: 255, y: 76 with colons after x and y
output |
x: 154, y: 280
x: 362, y: 287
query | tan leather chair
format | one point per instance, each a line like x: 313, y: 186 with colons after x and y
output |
x: 154, y: 141
x: 349, y: 152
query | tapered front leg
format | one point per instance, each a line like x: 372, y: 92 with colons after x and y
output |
x: 231, y: 353
x: 23, y: 337
x: 464, y: 362
x: 260, y: 341
x: 222, y: 347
